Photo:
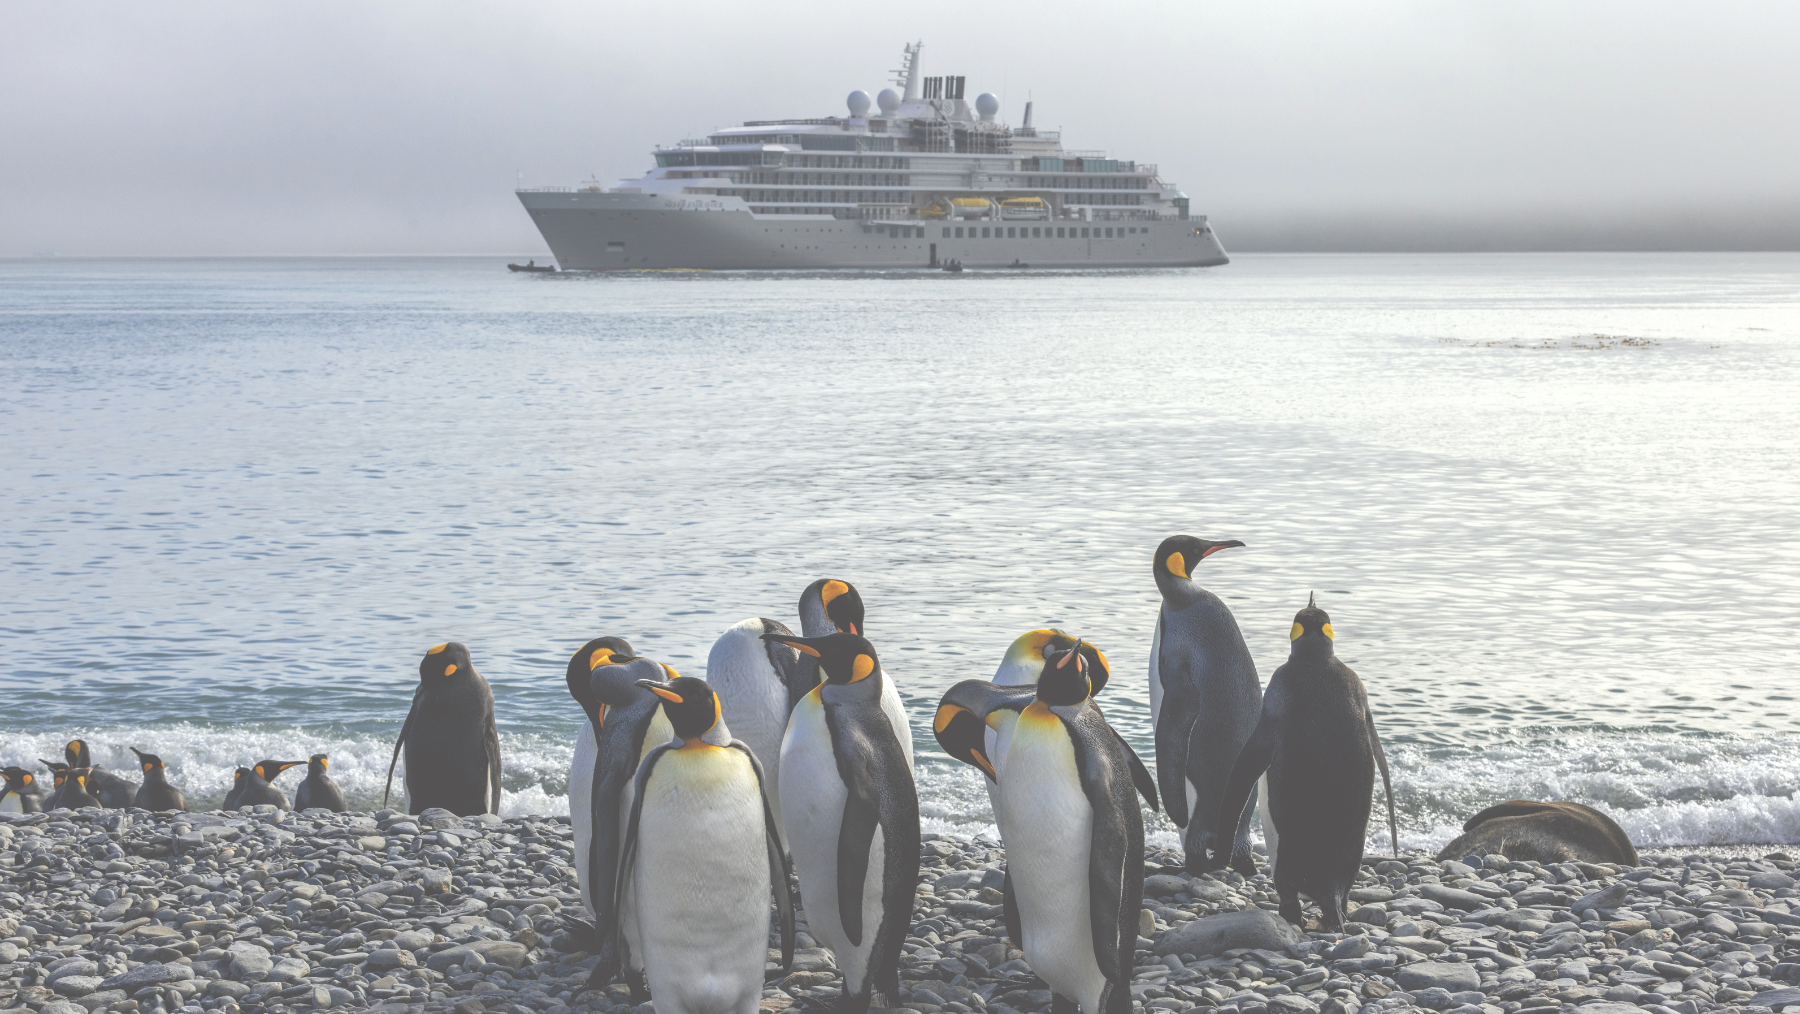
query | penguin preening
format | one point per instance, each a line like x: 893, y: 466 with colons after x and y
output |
x: 255, y: 786
x: 1204, y: 702
x: 829, y: 606
x: 21, y: 794
x: 851, y: 810
x: 1067, y: 807
x: 113, y: 791
x: 759, y: 682
x: 156, y: 793
x: 1317, y: 740
x: 318, y: 791
x: 701, y: 853
x: 633, y: 722
x: 587, y: 658
x: 452, y: 745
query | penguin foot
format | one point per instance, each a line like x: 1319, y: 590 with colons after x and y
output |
x: 1060, y: 1004
x: 1291, y: 911
x: 639, y: 991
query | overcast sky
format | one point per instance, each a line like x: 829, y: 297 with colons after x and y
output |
x: 337, y: 127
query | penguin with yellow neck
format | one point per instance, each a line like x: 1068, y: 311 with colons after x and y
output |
x: 1317, y: 741
x: 702, y: 857
x: 21, y: 794
x: 452, y: 745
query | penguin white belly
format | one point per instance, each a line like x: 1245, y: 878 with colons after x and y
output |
x: 658, y: 732
x: 1271, y: 840
x: 1155, y: 676
x: 814, y: 813
x: 702, y: 860
x: 581, y: 805
x: 895, y: 710
x: 995, y: 738
x: 752, y: 698
x: 11, y: 803
x: 1047, y: 862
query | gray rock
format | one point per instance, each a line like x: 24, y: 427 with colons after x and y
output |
x: 62, y: 1007
x: 75, y: 985
x: 412, y: 940
x: 1162, y: 885
x: 1609, y: 1007
x: 1769, y: 881
x: 388, y: 959
x: 1775, y: 999
x: 1450, y: 897
x: 9, y: 952
x: 1451, y: 976
x: 153, y: 973
x: 1214, y: 934
x: 1351, y: 947
x: 1716, y: 923
x: 72, y: 966
x: 250, y: 962
x: 225, y: 987
x: 1612, y: 897
x: 290, y: 969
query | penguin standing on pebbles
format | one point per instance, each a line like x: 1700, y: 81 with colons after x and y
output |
x: 1317, y: 740
x: 75, y: 794
x: 318, y: 791
x: 59, y: 780
x: 156, y: 793
x: 1204, y: 701
x: 452, y: 745
x: 21, y: 794
x: 113, y: 791
x: 254, y: 786
x: 702, y: 856
x: 759, y: 682
x: 851, y: 811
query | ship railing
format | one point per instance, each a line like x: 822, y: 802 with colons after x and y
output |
x: 544, y: 190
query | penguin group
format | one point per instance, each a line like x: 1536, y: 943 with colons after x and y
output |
x: 77, y: 781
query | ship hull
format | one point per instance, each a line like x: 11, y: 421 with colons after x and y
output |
x: 592, y: 231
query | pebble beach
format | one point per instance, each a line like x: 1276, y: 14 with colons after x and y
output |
x: 266, y: 910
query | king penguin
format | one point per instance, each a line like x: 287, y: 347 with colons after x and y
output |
x: 701, y: 851
x: 1067, y: 788
x: 851, y: 811
x: 759, y: 682
x: 59, y: 780
x: 581, y: 766
x: 255, y: 786
x: 632, y: 722
x: 113, y: 791
x: 75, y: 794
x: 1317, y: 740
x: 829, y: 606
x: 452, y: 746
x: 21, y: 795
x: 1204, y: 699
x: 318, y: 791
x: 156, y: 793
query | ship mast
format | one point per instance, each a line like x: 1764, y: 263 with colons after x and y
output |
x: 908, y: 76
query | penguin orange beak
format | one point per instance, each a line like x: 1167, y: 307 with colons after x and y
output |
x: 1210, y: 550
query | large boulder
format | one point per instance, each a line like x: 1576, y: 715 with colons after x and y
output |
x: 1554, y: 832
x: 1215, y: 934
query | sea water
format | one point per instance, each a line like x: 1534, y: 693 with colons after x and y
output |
x: 1548, y: 500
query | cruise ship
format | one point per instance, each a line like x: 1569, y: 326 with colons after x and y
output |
x: 914, y: 178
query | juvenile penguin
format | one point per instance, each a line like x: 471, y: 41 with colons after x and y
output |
x: 318, y: 791
x: 21, y: 795
x: 113, y: 791
x: 452, y: 746
x: 75, y: 794
x: 759, y: 682
x: 1204, y: 700
x: 700, y: 850
x: 156, y: 793
x: 633, y: 722
x: 1068, y: 810
x: 1316, y: 738
x: 830, y: 606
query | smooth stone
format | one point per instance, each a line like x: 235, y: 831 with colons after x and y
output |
x: 1769, y: 881
x: 72, y: 966
x: 149, y: 974
x: 412, y: 940
x: 1214, y: 934
x: 75, y: 985
x: 387, y: 959
x: 225, y: 987
x: 1451, y: 897
x: 1609, y: 1007
x: 1162, y: 885
x: 249, y: 962
x: 62, y: 1007
x: 1452, y: 976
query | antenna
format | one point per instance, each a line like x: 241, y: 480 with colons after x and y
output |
x: 907, y: 77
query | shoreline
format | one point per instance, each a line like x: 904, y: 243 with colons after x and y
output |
x: 268, y: 911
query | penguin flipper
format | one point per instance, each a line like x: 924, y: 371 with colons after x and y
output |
x: 493, y: 764
x: 1116, y: 848
x: 1386, y: 784
x: 405, y: 727
x: 614, y: 958
x: 1174, y: 727
x: 1252, y: 761
x: 855, y: 837
x: 1140, y: 775
x: 778, y: 862
x: 1009, y: 911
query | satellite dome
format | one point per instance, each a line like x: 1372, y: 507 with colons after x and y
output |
x: 859, y: 104
x: 889, y: 101
x: 987, y: 105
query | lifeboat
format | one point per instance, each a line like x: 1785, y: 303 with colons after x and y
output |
x: 1024, y: 209
x: 971, y: 207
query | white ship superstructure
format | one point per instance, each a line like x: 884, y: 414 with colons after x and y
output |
x: 928, y: 180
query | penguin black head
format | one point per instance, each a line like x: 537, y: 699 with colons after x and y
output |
x: 77, y: 794
x: 19, y: 780
x: 843, y: 658
x: 147, y: 761
x: 317, y: 763
x: 843, y: 606
x: 690, y: 703
x: 59, y: 773
x: 268, y: 769
x: 240, y: 776
x: 77, y: 754
x: 1312, y: 630
x: 590, y: 656
x: 1065, y: 680
x: 1180, y: 554
x: 445, y: 660
x: 964, y: 737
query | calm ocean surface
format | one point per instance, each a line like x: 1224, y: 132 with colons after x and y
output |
x: 1550, y: 501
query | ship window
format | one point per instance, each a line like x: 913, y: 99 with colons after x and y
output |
x: 1084, y: 234
x: 1059, y: 233
x: 1011, y: 232
x: 946, y: 232
x: 984, y: 232
x: 959, y: 234
x: 1109, y: 234
x: 1036, y: 232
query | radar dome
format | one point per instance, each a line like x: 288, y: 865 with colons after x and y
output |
x: 889, y: 101
x: 987, y: 105
x: 859, y: 104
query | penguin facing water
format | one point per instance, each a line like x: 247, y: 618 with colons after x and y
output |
x: 701, y: 853
x: 75, y: 794
x: 851, y: 810
x: 1204, y: 701
x: 113, y: 791
x: 1317, y: 740
x: 319, y: 791
x: 1066, y: 804
x: 21, y: 794
x: 452, y: 746
x: 59, y: 779
x: 759, y: 682
x: 255, y: 786
x: 156, y: 793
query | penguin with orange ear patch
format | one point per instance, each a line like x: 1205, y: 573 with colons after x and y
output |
x: 21, y: 794
x: 113, y: 791
x: 319, y: 791
x: 156, y: 793
x: 452, y: 746
x: 851, y: 813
